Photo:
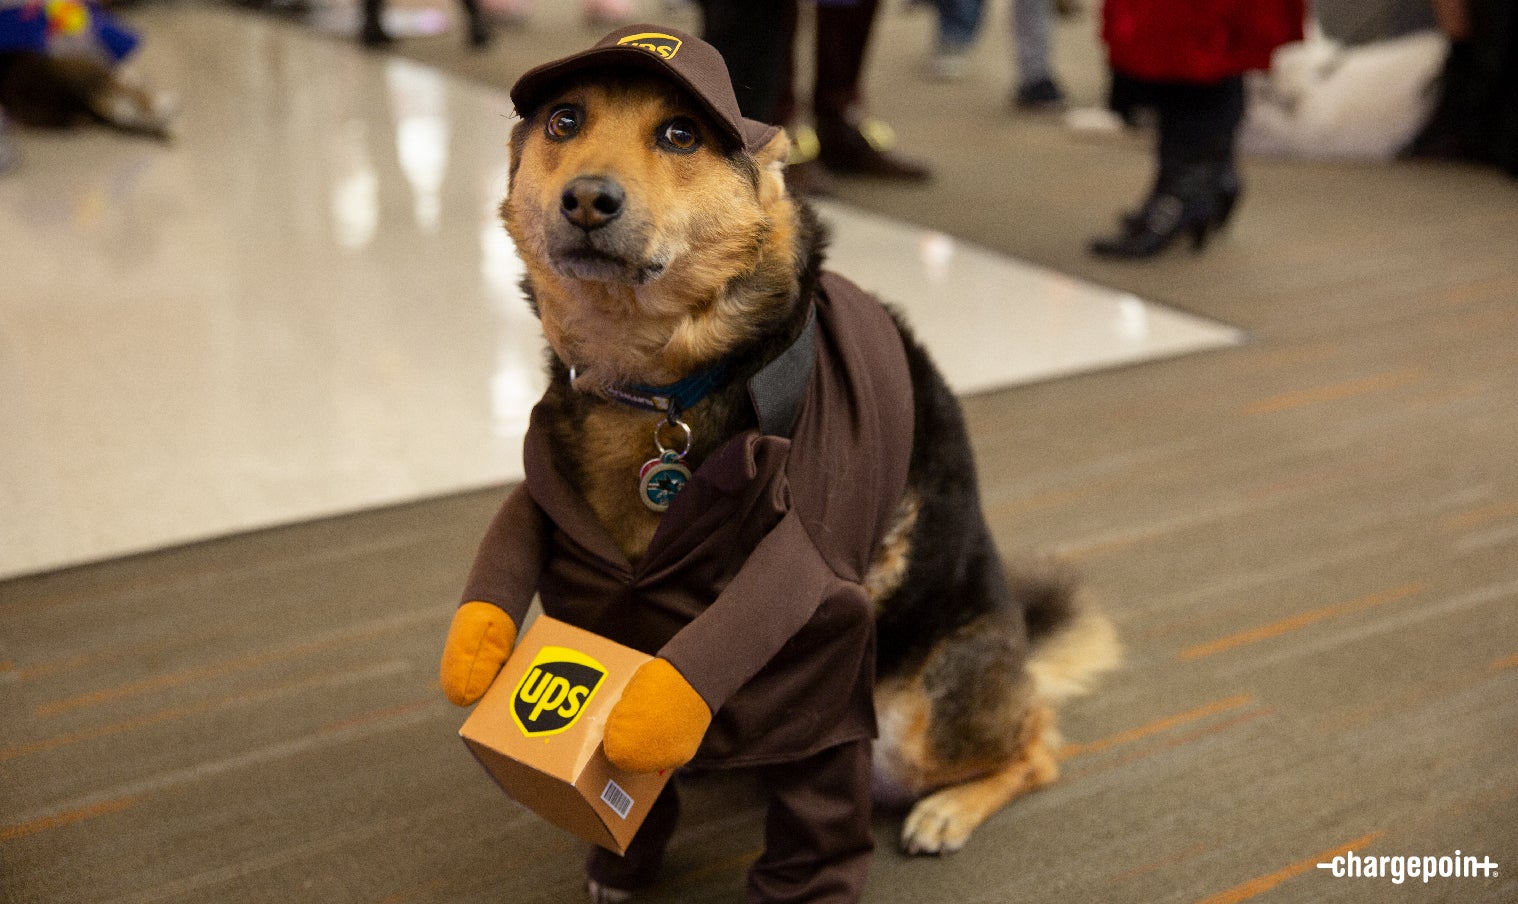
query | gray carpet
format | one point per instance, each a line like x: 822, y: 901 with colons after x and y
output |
x: 1310, y: 545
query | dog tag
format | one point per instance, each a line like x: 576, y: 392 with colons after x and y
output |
x: 661, y: 479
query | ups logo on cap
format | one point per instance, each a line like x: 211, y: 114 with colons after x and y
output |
x: 553, y: 693
x: 659, y: 45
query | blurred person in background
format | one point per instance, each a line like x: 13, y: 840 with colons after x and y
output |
x: 1477, y: 114
x: 1355, y: 22
x: 1186, y: 61
x: 372, y: 31
x: 1036, y: 89
x: 758, y: 41
x: 597, y: 14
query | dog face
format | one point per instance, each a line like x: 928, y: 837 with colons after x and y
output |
x: 638, y: 227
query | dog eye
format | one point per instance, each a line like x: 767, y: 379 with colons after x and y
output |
x: 679, y: 135
x: 563, y: 123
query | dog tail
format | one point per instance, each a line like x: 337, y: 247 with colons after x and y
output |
x: 1074, y: 644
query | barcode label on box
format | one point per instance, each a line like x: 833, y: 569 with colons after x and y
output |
x: 617, y: 799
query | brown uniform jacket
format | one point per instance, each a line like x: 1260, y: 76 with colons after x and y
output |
x: 751, y: 586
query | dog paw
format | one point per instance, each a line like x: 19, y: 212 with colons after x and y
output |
x: 939, y: 824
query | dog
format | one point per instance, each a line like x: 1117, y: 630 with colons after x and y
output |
x: 658, y: 237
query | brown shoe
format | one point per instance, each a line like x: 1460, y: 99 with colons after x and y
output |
x: 864, y: 147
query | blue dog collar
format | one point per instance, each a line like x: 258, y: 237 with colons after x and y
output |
x: 675, y: 397
x: 775, y: 391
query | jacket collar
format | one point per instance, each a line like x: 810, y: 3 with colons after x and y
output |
x: 777, y: 389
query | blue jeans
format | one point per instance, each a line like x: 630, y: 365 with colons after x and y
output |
x: 1032, y: 24
x: 958, y: 23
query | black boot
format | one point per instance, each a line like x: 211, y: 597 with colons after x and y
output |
x: 1226, y: 190
x: 1186, y: 203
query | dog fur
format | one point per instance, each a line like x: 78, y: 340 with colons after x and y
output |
x: 707, y: 258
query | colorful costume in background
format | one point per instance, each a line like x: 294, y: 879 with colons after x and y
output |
x: 64, y: 28
x: 61, y: 63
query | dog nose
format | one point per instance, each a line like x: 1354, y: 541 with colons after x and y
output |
x: 591, y: 202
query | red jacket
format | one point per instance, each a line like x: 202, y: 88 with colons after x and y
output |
x: 1200, y: 41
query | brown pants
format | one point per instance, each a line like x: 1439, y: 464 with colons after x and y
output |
x: 817, y: 841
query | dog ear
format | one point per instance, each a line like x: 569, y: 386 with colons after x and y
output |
x: 772, y: 159
x: 517, y: 142
x: 776, y: 150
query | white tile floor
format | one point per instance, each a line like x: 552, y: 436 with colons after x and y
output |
x: 304, y: 305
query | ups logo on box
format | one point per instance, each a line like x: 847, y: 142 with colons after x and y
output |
x: 659, y: 45
x: 555, y: 690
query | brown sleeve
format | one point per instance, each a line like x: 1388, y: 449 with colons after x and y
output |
x: 769, y: 600
x: 510, y: 561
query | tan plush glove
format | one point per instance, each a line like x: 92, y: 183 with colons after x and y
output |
x: 479, y: 643
x: 659, y: 722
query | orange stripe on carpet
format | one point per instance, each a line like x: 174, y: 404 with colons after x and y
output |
x: 1050, y: 499
x: 1152, y: 866
x: 165, y: 715
x: 1155, y: 727
x: 210, y: 670
x: 1261, y: 884
x: 157, y: 683
x: 44, y: 669
x: 90, y: 734
x: 1217, y: 728
x: 1498, y: 287
x: 1506, y: 662
x: 11, y: 833
x: 1302, y: 620
x: 1335, y: 392
x: 1480, y: 516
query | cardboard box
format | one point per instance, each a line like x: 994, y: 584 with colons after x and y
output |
x: 538, y: 732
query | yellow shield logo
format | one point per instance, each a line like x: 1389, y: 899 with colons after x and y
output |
x: 553, y: 694
x: 659, y: 45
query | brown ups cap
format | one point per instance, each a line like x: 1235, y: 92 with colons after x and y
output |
x: 690, y: 61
